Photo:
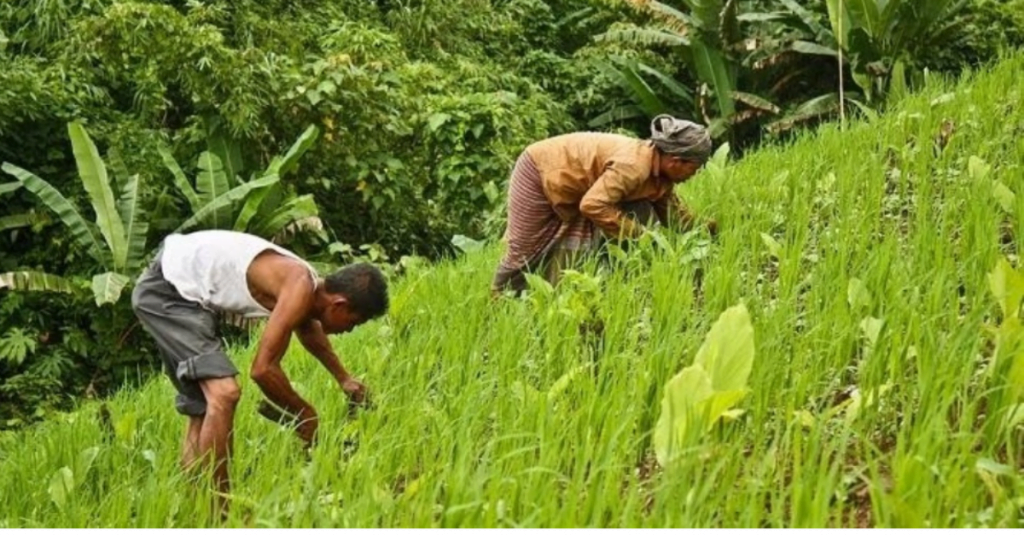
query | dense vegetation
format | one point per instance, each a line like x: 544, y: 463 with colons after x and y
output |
x: 375, y: 130
x: 846, y: 353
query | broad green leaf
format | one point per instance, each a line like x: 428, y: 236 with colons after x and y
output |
x: 1007, y: 285
x: 644, y: 36
x: 667, y: 12
x: 36, y: 282
x: 989, y: 471
x: 898, y: 81
x: 117, y: 165
x: 859, y: 401
x: 9, y: 187
x: 618, y: 113
x: 756, y: 101
x: 435, y: 121
x: 491, y: 191
x: 719, y: 404
x: 681, y: 421
x: 1009, y: 342
x: 805, y: 418
x: 721, y: 155
x: 728, y: 25
x: 212, y: 184
x: 808, y: 18
x: 84, y: 234
x: 135, y: 224
x: 294, y: 210
x: 94, y: 177
x: 250, y: 208
x: 1015, y: 376
x: 871, y: 328
x: 539, y: 285
x: 287, y: 163
x: 806, y: 47
x: 865, y: 13
x: 226, y: 148
x: 866, y: 82
x: 62, y: 483
x: 180, y: 180
x: 274, y: 196
x: 712, y: 70
x: 977, y: 168
x: 733, y: 414
x: 228, y: 199
x: 467, y: 244
x: 857, y: 295
x: 1004, y: 196
x: 681, y: 92
x: 25, y: 219
x: 107, y: 287
x: 853, y: 406
x: 628, y: 79
x: 728, y: 350
x: 85, y: 461
x: 774, y: 248
x: 943, y: 99
x: 761, y: 17
x: 150, y: 457
x: 989, y: 465
x: 870, y: 114
x: 672, y: 15
x: 806, y: 111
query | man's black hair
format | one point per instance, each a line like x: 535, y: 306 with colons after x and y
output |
x: 364, y: 287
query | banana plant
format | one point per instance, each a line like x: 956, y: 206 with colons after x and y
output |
x: 745, y: 73
x: 882, y: 40
x: 262, y: 205
x: 116, y: 240
x: 710, y: 43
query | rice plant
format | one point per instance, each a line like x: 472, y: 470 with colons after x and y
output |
x: 868, y: 281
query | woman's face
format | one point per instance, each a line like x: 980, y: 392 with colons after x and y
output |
x: 678, y: 169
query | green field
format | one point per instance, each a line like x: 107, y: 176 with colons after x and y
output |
x: 875, y: 398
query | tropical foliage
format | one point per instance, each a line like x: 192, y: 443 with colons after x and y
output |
x: 402, y: 117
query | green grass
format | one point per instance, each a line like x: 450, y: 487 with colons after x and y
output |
x: 509, y: 415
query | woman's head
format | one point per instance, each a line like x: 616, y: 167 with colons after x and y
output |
x: 684, y: 146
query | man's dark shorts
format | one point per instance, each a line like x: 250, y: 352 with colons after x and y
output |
x: 187, y: 335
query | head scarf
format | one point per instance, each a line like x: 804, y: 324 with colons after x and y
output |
x: 682, y: 138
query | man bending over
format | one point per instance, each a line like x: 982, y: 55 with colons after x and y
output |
x: 199, y: 276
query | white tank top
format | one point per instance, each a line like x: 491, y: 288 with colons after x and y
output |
x: 209, y: 267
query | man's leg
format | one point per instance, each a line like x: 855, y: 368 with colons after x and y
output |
x: 190, y: 447
x: 222, y: 396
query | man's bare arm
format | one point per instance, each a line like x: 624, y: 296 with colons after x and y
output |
x: 313, y: 338
x: 293, y: 304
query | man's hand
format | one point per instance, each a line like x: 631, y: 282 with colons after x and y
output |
x: 356, y: 392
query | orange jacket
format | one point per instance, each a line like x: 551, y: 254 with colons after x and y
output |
x: 590, y: 173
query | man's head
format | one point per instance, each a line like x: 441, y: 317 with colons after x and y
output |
x: 354, y: 295
x: 684, y: 146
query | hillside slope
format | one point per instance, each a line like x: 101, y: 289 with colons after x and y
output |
x: 871, y: 401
